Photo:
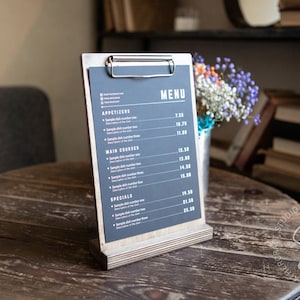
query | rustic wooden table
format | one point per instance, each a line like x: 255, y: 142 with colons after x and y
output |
x: 47, y: 217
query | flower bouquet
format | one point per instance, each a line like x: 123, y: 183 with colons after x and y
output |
x: 223, y: 92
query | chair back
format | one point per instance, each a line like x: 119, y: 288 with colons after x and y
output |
x: 26, y: 135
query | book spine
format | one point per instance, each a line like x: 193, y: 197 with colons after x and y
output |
x: 255, y: 137
x: 286, y: 146
x: 242, y: 135
x: 288, y: 113
x: 129, y: 16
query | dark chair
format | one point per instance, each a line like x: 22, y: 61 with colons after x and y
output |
x: 26, y: 136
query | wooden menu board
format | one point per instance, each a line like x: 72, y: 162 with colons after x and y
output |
x: 142, y: 124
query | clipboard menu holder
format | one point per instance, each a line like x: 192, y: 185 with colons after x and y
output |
x: 143, y: 138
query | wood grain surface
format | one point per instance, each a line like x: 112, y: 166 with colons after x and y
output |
x: 47, y: 217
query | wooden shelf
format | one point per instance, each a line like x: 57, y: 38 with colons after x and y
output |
x: 261, y: 34
x: 270, y: 34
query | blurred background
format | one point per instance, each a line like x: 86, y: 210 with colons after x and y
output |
x: 42, y: 40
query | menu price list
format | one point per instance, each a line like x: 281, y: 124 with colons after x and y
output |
x: 146, y: 154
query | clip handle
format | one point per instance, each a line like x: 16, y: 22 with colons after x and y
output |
x: 114, y: 61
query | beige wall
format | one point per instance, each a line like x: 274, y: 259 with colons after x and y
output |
x: 40, y: 44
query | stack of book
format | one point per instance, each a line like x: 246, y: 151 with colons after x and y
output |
x: 241, y: 150
x: 281, y: 166
x: 137, y: 15
x: 261, y: 135
x: 289, y: 13
x: 227, y: 150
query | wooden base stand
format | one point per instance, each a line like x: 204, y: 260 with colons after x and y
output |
x: 152, y: 247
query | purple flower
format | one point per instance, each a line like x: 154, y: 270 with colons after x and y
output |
x: 257, y: 119
x: 224, y: 91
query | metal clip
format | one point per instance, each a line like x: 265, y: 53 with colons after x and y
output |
x: 118, y: 60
